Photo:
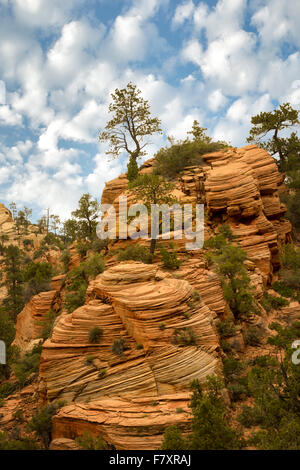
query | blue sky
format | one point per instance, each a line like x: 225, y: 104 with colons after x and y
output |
x: 217, y: 61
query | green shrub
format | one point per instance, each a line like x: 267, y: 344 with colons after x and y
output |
x: 7, y: 389
x: 28, y: 243
x: 135, y: 253
x: 118, y: 347
x: 282, y: 289
x: 211, y: 429
x: 89, y: 442
x: 132, y: 169
x: 65, y: 260
x: 270, y: 302
x: 95, y: 334
x: 36, y: 277
x: 52, y: 240
x: 226, y: 328
x: 102, y: 373
x: 170, y: 161
x: 173, y: 439
x: 41, y: 422
x: 89, y: 359
x: 28, y: 365
x: 238, y: 389
x: 290, y: 257
x: 98, y: 244
x: 82, y: 249
x: 249, y: 417
x: 74, y: 300
x: 169, y: 259
x: 225, y: 346
x: 232, y: 368
x: 47, y: 324
x: 162, y: 326
x: 78, y: 281
x: 196, y: 296
x: 94, y: 266
x: 16, y: 444
x: 229, y: 260
x: 184, y: 337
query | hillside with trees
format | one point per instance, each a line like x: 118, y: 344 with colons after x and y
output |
x: 197, y: 346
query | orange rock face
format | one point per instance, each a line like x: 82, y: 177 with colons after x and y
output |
x: 30, y: 320
x: 143, y: 306
x: 128, y: 424
x: 167, y: 332
x: 241, y: 188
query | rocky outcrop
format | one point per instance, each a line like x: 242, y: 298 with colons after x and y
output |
x: 113, y: 189
x: 30, y: 320
x: 238, y: 187
x: 7, y: 225
x: 145, y: 308
x: 128, y: 424
x: 241, y: 188
x: 164, y: 330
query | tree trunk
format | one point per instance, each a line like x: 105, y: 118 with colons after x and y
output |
x: 153, y: 245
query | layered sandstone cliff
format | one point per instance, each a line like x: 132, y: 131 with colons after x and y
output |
x: 168, y: 331
x: 145, y: 307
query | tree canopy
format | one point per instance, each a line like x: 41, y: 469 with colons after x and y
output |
x: 274, y: 122
x: 131, y: 123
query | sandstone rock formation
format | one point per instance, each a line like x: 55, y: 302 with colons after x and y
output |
x: 169, y: 334
x: 7, y: 225
x: 238, y: 187
x: 30, y: 320
x: 144, y: 306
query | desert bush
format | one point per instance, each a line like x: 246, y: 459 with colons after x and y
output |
x: 226, y: 328
x: 135, y: 253
x: 41, y: 422
x: 7, y: 389
x: 27, y: 243
x: 170, y: 161
x: 89, y: 442
x: 229, y: 260
x: 95, y: 334
x: 76, y: 299
x: 29, y: 364
x: 47, y: 324
x: 238, y: 389
x: 94, y: 266
x: 82, y: 249
x: 98, y: 244
x: 78, y: 281
x: 270, y: 302
x: 6, y: 443
x: 118, y: 346
x: 232, y: 368
x: 169, y: 258
x: 89, y: 359
x: 65, y: 260
x: 184, y: 337
x: 282, y: 289
x: 173, y: 439
x: 36, y: 277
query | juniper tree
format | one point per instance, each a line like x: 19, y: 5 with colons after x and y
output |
x: 274, y: 122
x: 130, y: 125
x: 87, y: 215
